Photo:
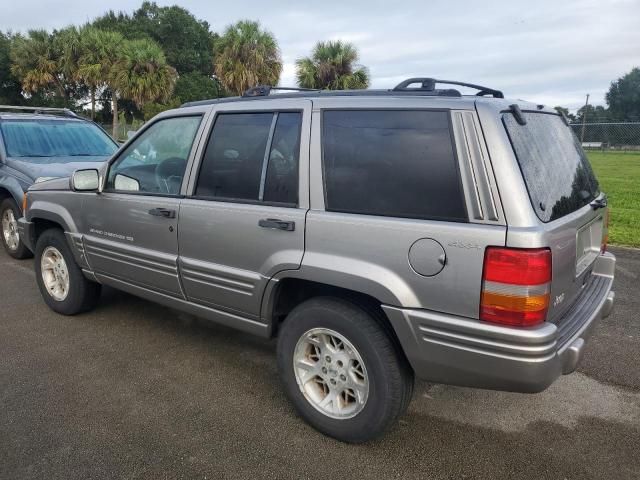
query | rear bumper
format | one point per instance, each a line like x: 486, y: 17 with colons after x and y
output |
x: 459, y: 351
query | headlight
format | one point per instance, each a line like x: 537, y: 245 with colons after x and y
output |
x: 44, y: 179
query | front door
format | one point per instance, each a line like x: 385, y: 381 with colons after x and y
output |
x: 130, y: 234
x: 244, y: 219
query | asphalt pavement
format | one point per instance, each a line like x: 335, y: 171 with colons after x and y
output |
x: 134, y: 390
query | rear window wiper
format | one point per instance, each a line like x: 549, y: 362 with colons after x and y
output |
x: 599, y: 203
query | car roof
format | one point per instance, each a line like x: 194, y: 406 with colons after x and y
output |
x: 360, y: 98
x: 38, y: 116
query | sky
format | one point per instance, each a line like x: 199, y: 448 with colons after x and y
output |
x: 547, y: 51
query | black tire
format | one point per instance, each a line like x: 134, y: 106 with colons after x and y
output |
x: 82, y: 294
x: 21, y: 251
x: 390, y: 378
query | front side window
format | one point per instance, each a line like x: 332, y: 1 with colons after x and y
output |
x: 55, y: 141
x: 156, y: 161
x: 391, y: 163
x: 252, y: 157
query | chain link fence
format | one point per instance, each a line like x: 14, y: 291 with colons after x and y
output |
x: 609, y: 135
x: 125, y: 130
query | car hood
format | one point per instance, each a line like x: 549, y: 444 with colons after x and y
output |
x: 61, y: 167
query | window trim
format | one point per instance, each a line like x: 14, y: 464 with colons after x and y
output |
x: 265, y: 161
x: 126, y: 146
x: 464, y: 219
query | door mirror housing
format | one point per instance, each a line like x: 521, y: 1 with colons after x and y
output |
x: 126, y: 183
x: 85, y: 180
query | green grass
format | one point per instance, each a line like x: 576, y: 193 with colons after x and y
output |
x: 619, y: 177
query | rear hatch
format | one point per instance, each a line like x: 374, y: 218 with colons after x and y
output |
x: 566, y: 197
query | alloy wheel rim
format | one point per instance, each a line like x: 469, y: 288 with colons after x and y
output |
x: 55, y: 274
x: 10, y: 230
x: 331, y: 373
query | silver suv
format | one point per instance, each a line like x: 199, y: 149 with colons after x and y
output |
x: 380, y: 235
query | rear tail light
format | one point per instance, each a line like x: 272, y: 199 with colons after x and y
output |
x: 515, y: 286
x: 605, y: 232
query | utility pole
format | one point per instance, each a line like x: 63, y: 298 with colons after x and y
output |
x: 584, y: 118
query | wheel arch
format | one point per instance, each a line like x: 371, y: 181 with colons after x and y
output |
x: 12, y: 190
x: 285, y: 293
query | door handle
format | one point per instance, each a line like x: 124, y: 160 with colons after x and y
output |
x: 277, y: 224
x: 163, y: 212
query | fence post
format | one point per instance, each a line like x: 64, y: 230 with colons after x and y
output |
x: 584, y: 118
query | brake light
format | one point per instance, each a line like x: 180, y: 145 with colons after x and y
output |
x: 516, y: 283
x: 605, y: 232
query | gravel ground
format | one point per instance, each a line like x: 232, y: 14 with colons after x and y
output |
x: 134, y: 390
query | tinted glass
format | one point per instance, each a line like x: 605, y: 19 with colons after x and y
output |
x: 557, y: 173
x: 39, y: 139
x: 282, y: 172
x: 391, y: 163
x: 156, y: 161
x: 234, y: 158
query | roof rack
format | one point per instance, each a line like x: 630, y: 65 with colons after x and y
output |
x: 37, y: 110
x: 429, y: 85
x: 265, y: 90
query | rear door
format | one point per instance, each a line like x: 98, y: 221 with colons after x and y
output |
x: 562, y: 189
x: 244, y: 218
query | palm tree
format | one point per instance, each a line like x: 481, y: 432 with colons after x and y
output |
x: 142, y: 73
x: 67, y: 43
x: 332, y: 66
x: 99, y: 50
x: 36, y: 61
x: 246, y: 56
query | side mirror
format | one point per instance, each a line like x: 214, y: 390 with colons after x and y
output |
x: 85, y: 180
x: 124, y: 183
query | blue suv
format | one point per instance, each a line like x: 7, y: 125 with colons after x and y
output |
x: 38, y: 144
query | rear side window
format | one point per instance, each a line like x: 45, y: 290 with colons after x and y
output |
x: 555, y: 169
x: 252, y: 157
x: 391, y: 163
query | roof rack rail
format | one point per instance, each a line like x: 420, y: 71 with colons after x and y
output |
x: 429, y: 85
x: 265, y: 90
x: 52, y: 110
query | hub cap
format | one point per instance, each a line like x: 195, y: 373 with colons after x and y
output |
x: 10, y: 230
x: 55, y: 274
x: 330, y: 373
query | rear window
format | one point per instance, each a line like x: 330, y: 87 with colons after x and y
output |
x: 555, y: 169
x: 55, y: 138
x: 391, y: 163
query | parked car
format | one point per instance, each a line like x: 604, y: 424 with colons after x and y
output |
x: 37, y: 144
x: 380, y: 235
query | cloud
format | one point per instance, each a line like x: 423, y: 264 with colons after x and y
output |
x: 549, y: 51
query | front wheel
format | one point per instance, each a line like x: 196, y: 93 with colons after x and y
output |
x: 63, y: 286
x: 341, y: 370
x: 13, y: 244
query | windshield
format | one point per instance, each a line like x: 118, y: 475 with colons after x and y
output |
x: 555, y: 169
x: 55, y: 138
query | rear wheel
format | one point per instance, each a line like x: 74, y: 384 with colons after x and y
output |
x: 63, y: 286
x: 13, y: 244
x: 341, y: 370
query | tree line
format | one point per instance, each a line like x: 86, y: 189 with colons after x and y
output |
x: 126, y: 66
x: 622, y: 99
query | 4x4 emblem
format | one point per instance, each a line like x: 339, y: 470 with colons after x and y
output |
x: 459, y: 244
